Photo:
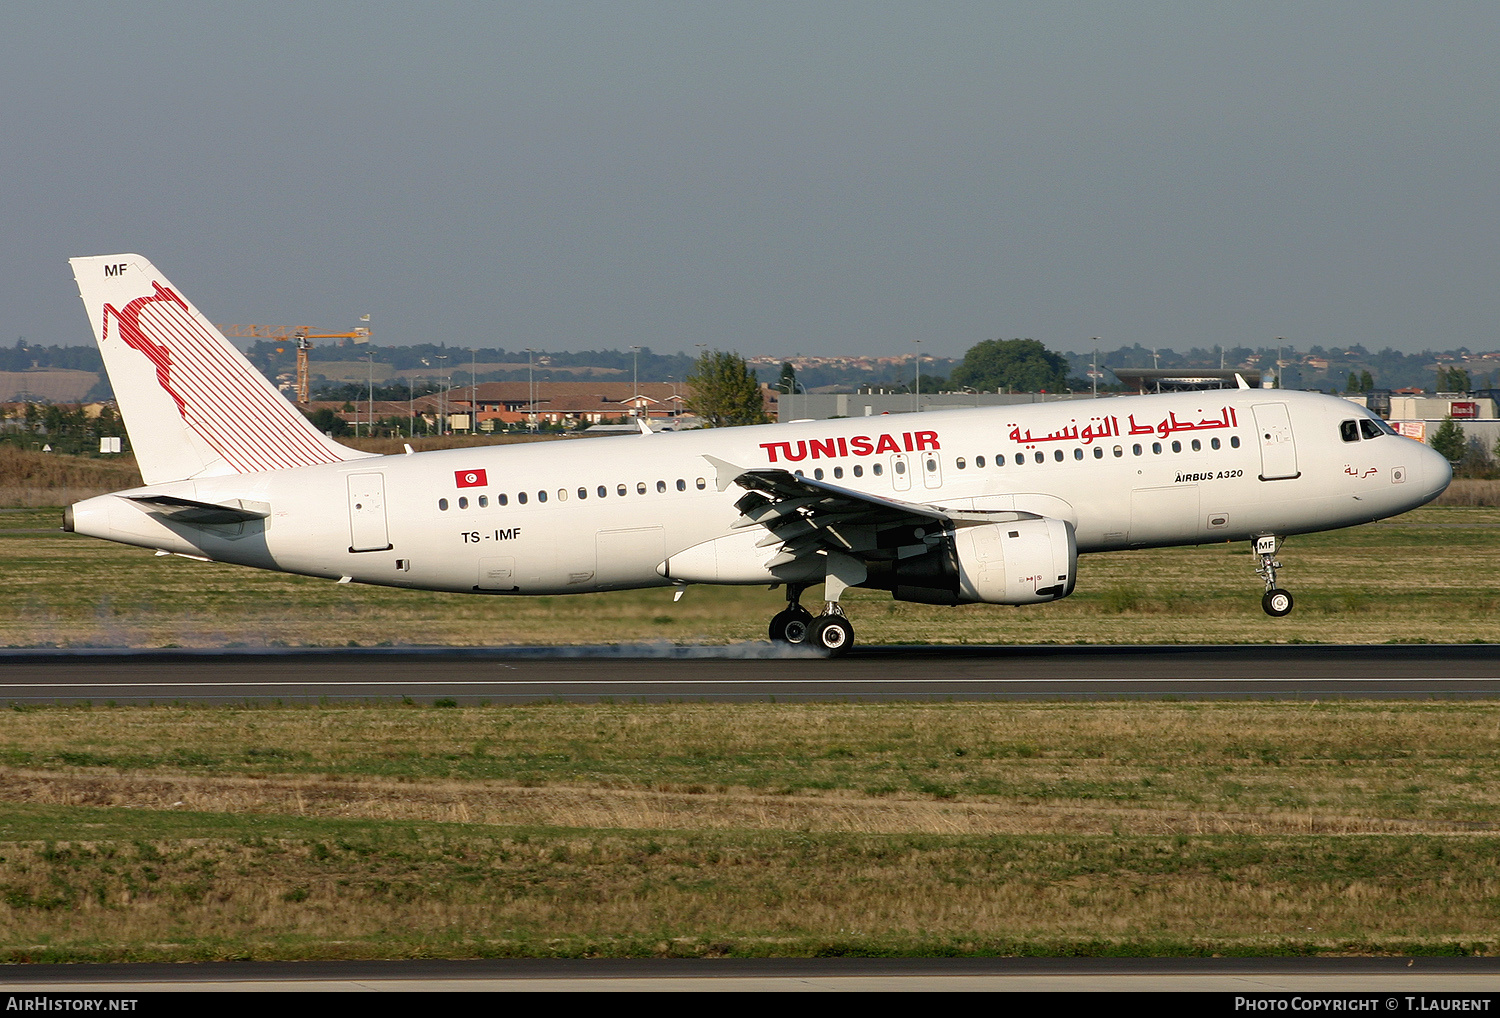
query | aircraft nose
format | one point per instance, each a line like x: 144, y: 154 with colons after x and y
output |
x: 1436, y: 471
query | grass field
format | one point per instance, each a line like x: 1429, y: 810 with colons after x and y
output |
x: 387, y: 830
x: 693, y: 829
x: 1409, y: 579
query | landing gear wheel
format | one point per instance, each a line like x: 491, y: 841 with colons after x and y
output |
x: 1277, y: 603
x: 791, y: 625
x: 832, y: 634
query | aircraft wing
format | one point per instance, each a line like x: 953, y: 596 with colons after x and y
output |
x: 808, y: 516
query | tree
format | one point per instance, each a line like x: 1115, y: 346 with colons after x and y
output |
x: 328, y: 422
x: 1366, y: 383
x: 1021, y: 365
x: 787, y: 383
x: 723, y: 391
x: 1449, y: 440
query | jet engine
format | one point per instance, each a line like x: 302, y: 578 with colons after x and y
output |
x: 1021, y: 562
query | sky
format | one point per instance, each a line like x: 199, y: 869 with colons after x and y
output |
x: 822, y: 178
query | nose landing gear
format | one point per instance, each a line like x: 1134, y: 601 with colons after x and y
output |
x: 1276, y: 602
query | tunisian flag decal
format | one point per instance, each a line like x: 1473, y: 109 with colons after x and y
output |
x: 470, y: 478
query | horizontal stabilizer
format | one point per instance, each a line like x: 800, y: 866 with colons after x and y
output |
x: 186, y: 510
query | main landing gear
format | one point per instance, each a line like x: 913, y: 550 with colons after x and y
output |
x: 1276, y: 602
x: 831, y: 633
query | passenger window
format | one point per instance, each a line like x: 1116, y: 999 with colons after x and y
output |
x: 1020, y: 459
x: 620, y: 490
x: 661, y: 486
x: 877, y: 469
x: 959, y: 463
x: 640, y: 487
x: 602, y: 491
x: 1213, y: 443
x: 484, y: 500
x: 1057, y: 455
x: 1040, y: 458
x: 443, y: 504
x: 702, y: 484
x: 1121, y: 452
x: 1078, y: 454
x: 1177, y: 447
x: 501, y: 499
x: 1136, y: 448
x: 1197, y: 446
x: 1349, y: 431
x: 521, y: 497
x: 1234, y: 441
x: 562, y: 494
x: 583, y: 493
x: 541, y: 496
x: 463, y: 503
x: 818, y: 474
x: 838, y: 472
x: 979, y: 462
x: 900, y: 466
x: 1098, y: 452
x: 859, y: 471
x: 1156, y: 448
x: 681, y: 484
x: 1369, y: 428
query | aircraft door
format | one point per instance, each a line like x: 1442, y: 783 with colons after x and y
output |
x: 900, y: 472
x: 367, y: 529
x: 932, y: 470
x: 1278, y: 451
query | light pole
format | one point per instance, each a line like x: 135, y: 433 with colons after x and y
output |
x: 918, y: 359
x: 370, y: 433
x: 1094, y: 374
x: 443, y: 399
x: 635, y: 381
x: 530, y: 391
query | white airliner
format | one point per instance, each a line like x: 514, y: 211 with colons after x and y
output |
x: 985, y: 505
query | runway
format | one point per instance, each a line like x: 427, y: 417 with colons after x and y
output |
x: 749, y: 672
x: 1253, y: 977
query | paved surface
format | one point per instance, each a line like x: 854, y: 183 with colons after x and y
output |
x: 1383, y: 976
x: 754, y: 671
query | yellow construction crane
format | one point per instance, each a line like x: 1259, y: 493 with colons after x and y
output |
x: 303, y: 339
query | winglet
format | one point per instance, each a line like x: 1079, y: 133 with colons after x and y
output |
x: 725, y: 472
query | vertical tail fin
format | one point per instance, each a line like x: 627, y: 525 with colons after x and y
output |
x: 193, y: 405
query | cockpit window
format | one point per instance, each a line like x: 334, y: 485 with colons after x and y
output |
x: 1349, y: 431
x: 1370, y: 428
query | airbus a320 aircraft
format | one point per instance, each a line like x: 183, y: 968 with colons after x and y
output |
x: 985, y: 505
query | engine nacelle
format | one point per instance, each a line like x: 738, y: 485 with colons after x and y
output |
x: 1021, y: 562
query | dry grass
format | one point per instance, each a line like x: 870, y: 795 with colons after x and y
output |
x: 841, y: 812
x: 705, y: 829
x: 1470, y: 492
x: 31, y: 479
x: 335, y: 890
x: 1001, y: 768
